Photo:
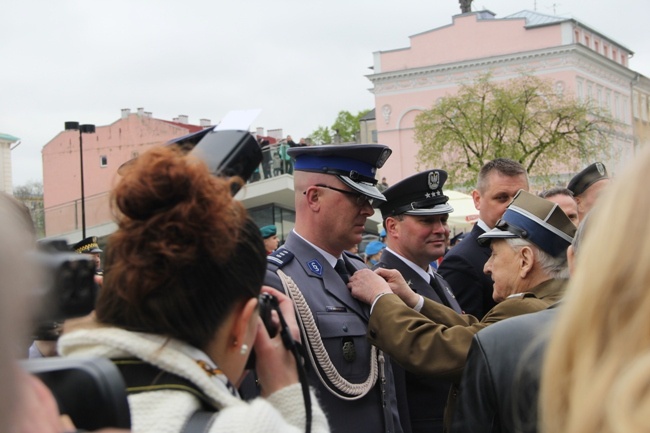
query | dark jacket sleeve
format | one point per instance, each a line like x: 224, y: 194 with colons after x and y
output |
x: 466, y: 284
x: 475, y: 409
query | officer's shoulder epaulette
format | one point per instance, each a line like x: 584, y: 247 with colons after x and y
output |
x: 352, y: 256
x: 279, y: 257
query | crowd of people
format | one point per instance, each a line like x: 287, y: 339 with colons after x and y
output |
x: 525, y: 325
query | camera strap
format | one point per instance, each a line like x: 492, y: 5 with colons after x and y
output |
x: 140, y: 376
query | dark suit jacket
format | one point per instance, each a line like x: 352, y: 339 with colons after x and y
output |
x: 462, y: 268
x: 502, y: 376
x: 342, y: 322
x: 424, y: 398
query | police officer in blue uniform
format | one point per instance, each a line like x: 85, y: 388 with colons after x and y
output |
x: 415, y: 217
x: 335, y: 187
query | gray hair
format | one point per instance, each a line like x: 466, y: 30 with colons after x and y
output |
x: 554, y: 267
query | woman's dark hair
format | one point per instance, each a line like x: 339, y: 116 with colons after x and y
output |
x: 185, y: 252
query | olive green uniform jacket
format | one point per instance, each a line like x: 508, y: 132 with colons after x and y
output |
x: 436, y: 340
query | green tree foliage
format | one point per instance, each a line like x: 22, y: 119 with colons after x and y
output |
x: 523, y: 119
x: 345, y: 128
x: 321, y: 135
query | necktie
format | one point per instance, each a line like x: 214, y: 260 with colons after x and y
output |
x: 342, y: 270
x: 439, y: 291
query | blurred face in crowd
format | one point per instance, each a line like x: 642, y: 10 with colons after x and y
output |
x: 568, y: 206
x: 271, y: 243
x: 499, y: 191
x: 97, y: 259
x: 587, y: 199
x: 503, y: 267
x: 419, y: 238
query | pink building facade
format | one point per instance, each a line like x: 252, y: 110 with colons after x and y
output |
x: 577, y: 59
x: 103, y: 153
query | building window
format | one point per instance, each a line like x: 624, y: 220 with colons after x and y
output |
x: 644, y: 108
x: 577, y: 36
x: 596, y: 47
x: 614, y: 54
x: 608, y: 100
x: 103, y: 161
x: 635, y: 105
x: 617, y: 107
x: 623, y: 59
x: 605, y: 51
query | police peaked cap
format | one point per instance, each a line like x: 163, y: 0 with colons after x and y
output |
x: 536, y: 220
x: 87, y: 246
x: 354, y: 164
x: 420, y: 194
x: 587, y: 177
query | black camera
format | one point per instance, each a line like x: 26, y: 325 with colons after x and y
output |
x: 68, y: 288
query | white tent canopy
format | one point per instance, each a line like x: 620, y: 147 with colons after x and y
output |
x: 464, y: 215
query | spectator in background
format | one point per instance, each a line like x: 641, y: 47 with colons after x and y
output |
x: 267, y: 158
x: 596, y: 369
x: 373, y: 252
x: 587, y: 186
x: 90, y: 246
x: 564, y: 198
x: 271, y: 241
x: 383, y: 185
x: 498, y: 182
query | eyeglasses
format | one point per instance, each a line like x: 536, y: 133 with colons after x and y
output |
x: 359, y: 199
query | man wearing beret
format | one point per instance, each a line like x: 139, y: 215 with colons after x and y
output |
x: 462, y: 267
x: 335, y: 187
x: 587, y: 186
x: 415, y: 217
x: 528, y: 266
x: 270, y: 237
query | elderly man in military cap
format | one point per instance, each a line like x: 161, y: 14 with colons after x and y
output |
x: 415, y: 216
x: 335, y: 187
x: 528, y: 266
x: 271, y: 241
x: 587, y: 186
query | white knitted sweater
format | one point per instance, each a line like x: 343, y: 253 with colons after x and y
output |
x: 166, y: 411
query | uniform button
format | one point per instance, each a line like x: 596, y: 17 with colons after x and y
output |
x: 345, y: 328
x: 373, y: 334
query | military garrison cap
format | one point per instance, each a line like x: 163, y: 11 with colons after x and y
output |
x: 268, y: 231
x: 536, y: 220
x: 87, y: 246
x: 354, y: 164
x: 587, y: 177
x: 420, y: 194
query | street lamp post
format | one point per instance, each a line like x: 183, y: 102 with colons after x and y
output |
x: 88, y: 129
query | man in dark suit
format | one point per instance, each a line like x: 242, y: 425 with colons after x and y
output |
x: 334, y: 190
x: 528, y: 265
x: 462, y: 267
x: 415, y: 218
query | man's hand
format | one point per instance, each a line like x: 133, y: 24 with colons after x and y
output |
x: 365, y: 285
x: 398, y: 285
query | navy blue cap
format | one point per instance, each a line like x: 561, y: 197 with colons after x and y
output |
x: 534, y: 219
x: 354, y: 164
x: 420, y: 194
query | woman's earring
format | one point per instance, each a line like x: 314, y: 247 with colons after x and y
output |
x: 244, y: 349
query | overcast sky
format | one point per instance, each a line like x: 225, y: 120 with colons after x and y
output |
x: 299, y: 61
